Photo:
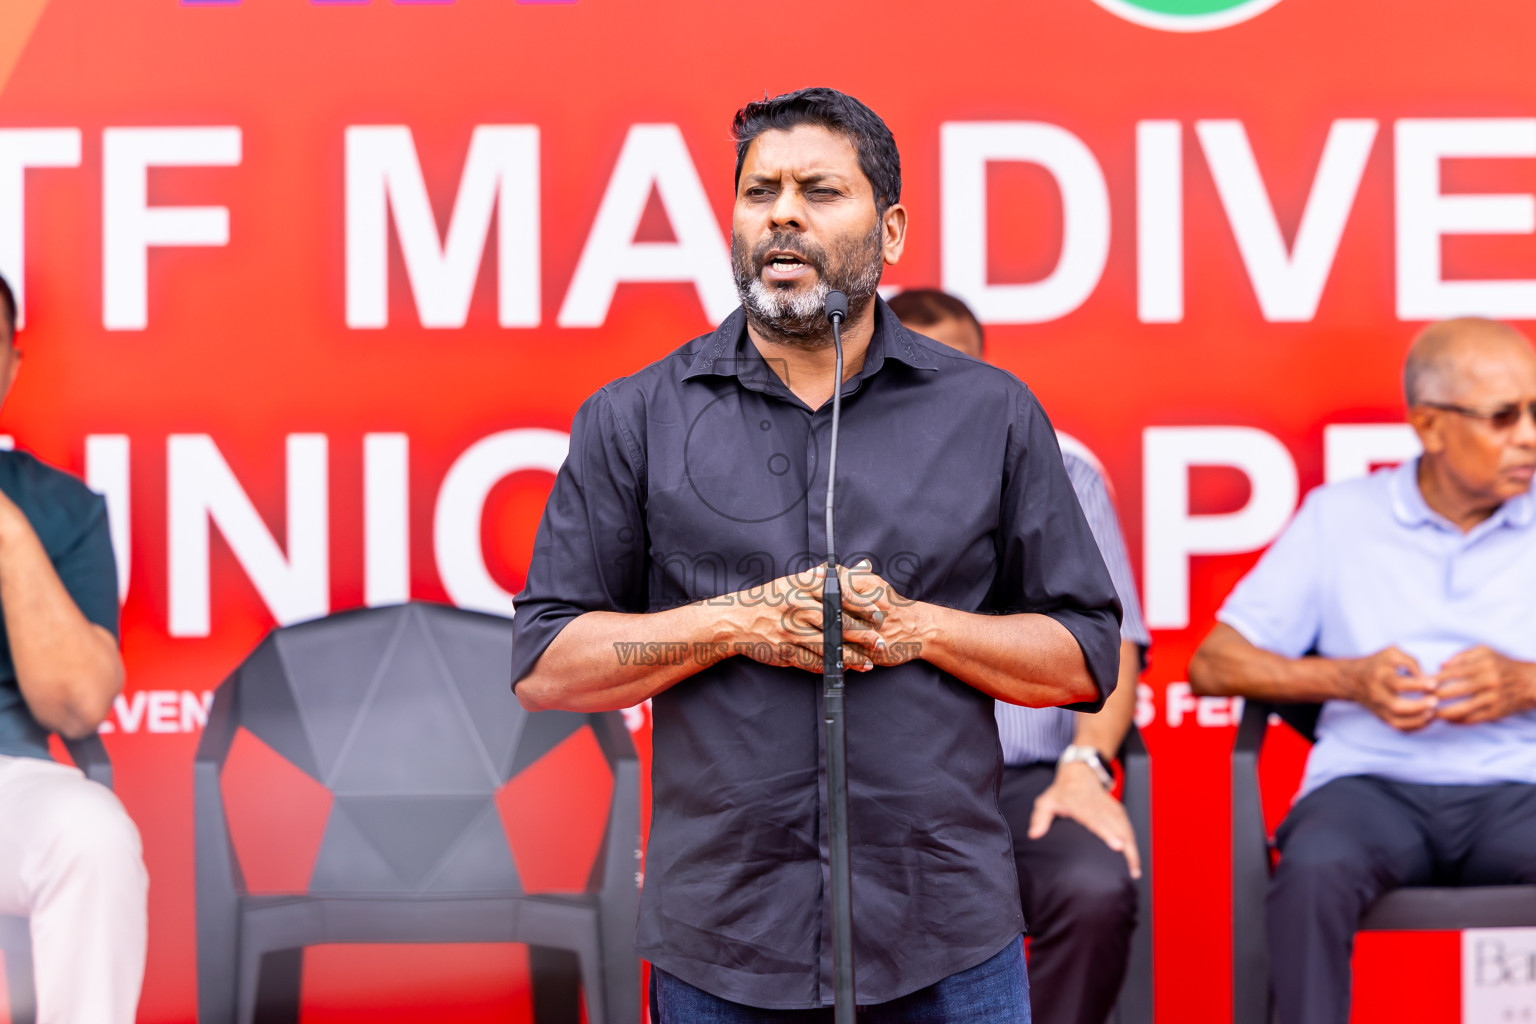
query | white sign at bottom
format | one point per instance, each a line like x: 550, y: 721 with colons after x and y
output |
x: 1498, y: 976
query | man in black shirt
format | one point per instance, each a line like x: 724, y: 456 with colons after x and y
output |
x: 70, y: 859
x: 677, y: 559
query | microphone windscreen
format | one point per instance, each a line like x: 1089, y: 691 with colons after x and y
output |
x: 837, y: 305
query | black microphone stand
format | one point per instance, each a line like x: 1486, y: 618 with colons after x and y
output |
x: 832, y: 693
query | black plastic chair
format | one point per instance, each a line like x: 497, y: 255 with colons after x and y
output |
x: 406, y: 716
x: 1135, y: 1003
x: 90, y: 756
x: 1449, y: 908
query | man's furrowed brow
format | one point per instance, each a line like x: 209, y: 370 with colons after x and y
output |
x: 812, y: 176
x: 821, y: 176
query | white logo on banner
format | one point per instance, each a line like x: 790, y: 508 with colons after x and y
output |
x: 1498, y: 975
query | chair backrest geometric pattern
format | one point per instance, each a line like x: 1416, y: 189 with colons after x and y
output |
x: 406, y: 715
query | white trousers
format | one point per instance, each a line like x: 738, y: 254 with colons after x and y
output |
x: 70, y: 860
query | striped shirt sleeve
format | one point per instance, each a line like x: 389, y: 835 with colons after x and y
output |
x: 1029, y: 735
x: 1093, y: 495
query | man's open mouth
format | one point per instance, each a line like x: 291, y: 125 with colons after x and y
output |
x: 782, y: 264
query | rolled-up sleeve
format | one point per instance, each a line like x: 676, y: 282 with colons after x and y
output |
x: 588, y: 553
x: 1048, y: 561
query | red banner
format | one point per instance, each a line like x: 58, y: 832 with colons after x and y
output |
x: 312, y: 290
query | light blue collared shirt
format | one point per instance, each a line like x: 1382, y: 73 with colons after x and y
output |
x: 1365, y: 565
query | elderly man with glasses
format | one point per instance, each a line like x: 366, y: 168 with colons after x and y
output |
x: 1404, y: 602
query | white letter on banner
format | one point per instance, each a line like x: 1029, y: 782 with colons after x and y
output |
x: 966, y: 149
x: 1172, y: 534
x: 202, y: 488
x: 129, y: 225
x: 461, y: 504
x: 1354, y: 449
x: 1159, y: 222
x: 1425, y: 215
x: 106, y: 473
x: 1289, y: 285
x: 21, y: 148
x: 654, y: 156
x: 386, y: 519
x: 383, y: 174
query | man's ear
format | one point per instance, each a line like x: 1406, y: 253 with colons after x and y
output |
x: 1429, y: 424
x: 893, y: 233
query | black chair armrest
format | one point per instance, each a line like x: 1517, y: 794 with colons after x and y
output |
x: 1136, y: 793
x: 220, y: 884
x: 90, y: 756
x: 1250, y: 871
x: 1253, y: 726
x: 1136, y: 994
x: 218, y: 867
x: 616, y: 875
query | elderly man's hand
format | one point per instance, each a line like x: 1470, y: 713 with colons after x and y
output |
x: 1481, y: 685
x: 1391, y: 684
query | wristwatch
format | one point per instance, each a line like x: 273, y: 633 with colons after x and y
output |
x: 1079, y: 753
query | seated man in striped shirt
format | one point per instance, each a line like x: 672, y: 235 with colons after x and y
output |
x: 1077, y: 874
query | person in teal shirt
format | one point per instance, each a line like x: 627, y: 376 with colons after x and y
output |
x: 70, y: 857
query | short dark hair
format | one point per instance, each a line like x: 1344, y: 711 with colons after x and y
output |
x: 837, y: 112
x: 8, y: 303
x: 924, y: 307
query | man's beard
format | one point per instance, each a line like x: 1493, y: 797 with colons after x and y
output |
x: 799, y: 315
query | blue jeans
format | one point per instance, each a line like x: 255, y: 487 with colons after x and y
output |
x: 995, y: 991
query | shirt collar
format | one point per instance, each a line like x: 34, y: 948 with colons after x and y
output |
x: 729, y: 351
x: 1411, y: 509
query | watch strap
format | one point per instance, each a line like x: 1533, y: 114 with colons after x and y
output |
x: 1078, y: 753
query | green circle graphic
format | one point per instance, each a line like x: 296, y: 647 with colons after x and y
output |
x: 1186, y: 15
x: 1186, y: 7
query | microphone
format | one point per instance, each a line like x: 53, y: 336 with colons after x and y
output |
x: 832, y: 700
x: 837, y: 312
x: 836, y: 306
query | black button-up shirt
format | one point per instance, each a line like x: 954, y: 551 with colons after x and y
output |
x: 702, y: 475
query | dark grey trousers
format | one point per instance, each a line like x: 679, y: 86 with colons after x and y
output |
x: 1354, y: 839
x: 1079, y: 908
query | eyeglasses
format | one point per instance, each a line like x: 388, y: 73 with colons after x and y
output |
x: 1502, y: 418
